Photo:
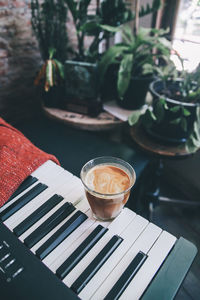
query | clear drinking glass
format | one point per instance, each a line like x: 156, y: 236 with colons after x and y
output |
x: 107, y: 181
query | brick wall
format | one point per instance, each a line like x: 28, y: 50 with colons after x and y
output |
x: 19, y: 61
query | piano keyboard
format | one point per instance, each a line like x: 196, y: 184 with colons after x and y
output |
x: 49, y: 219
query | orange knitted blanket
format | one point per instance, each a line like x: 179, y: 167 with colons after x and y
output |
x: 18, y: 159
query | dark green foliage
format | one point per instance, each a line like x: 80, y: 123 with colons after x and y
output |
x: 110, y: 12
x: 49, y: 25
x: 137, y: 55
x: 79, y: 12
x: 190, y: 86
x: 114, y: 12
x: 150, y: 9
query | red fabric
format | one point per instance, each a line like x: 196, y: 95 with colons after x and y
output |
x: 18, y: 159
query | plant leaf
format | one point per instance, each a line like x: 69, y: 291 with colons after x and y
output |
x: 49, y: 75
x: 195, y: 141
x: 60, y: 68
x: 152, y: 115
x: 175, y: 121
x: 184, y: 124
x: 124, y: 74
x: 197, y: 130
x: 109, y: 58
x: 52, y: 51
x: 147, y: 120
x: 110, y: 28
x: 159, y: 111
x: 186, y: 112
x: 175, y: 108
x: 127, y: 35
x: 90, y: 27
x: 150, y: 9
x: 190, y: 147
x: 134, y: 117
x: 164, y: 103
x: 147, y: 69
x: 72, y: 7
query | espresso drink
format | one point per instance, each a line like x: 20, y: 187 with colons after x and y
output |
x: 106, y: 186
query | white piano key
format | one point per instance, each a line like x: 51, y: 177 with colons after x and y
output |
x: 48, y: 167
x: 69, y: 240
x: 144, y: 243
x: 71, y: 197
x: 64, y: 191
x: 130, y: 235
x: 116, y: 227
x: 30, y: 207
x: 47, y: 236
x: 56, y: 261
x: 156, y: 256
x: 44, y: 173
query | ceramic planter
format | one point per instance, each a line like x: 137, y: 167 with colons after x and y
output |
x: 165, y: 130
x: 81, y: 87
x: 135, y: 95
x: 54, y: 97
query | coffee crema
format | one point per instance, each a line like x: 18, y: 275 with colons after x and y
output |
x: 107, y: 179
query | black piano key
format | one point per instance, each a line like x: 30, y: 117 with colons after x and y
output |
x: 25, y: 184
x: 63, y: 212
x: 96, y: 264
x: 23, y: 200
x: 81, y: 251
x: 126, y: 277
x: 62, y: 233
x: 37, y: 214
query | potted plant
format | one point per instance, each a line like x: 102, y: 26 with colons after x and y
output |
x: 82, y: 70
x: 136, y: 61
x: 174, y: 116
x: 129, y: 66
x: 48, y: 19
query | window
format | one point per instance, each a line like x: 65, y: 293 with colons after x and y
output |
x: 186, y: 38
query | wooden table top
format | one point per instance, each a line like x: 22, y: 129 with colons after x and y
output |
x: 104, y: 121
x: 155, y: 147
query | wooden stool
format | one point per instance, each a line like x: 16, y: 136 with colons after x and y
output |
x: 158, y: 152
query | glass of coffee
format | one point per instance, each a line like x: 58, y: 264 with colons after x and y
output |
x: 107, y: 181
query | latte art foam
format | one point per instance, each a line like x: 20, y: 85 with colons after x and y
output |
x: 107, y: 179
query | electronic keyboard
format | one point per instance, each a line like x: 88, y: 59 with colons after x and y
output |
x: 52, y: 248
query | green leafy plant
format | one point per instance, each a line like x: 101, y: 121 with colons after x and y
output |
x: 188, y: 92
x: 190, y: 86
x: 108, y: 12
x: 187, y: 83
x: 150, y: 9
x: 137, y: 55
x: 48, y: 19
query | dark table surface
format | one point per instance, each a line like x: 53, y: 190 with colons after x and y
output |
x: 75, y: 147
